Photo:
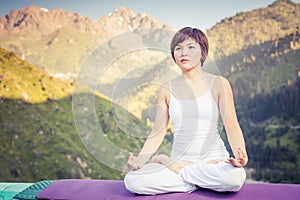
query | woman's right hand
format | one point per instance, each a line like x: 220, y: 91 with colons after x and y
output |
x: 134, y: 163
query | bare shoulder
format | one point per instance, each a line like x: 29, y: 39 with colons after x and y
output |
x: 222, y: 80
x: 164, y: 89
x: 163, y: 93
x: 221, y: 84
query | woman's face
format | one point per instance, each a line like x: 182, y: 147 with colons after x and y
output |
x: 187, y: 54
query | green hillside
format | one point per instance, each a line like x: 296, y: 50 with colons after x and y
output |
x: 21, y: 80
x: 59, y: 52
x: 271, y: 123
x: 260, y: 55
x: 38, y: 137
x: 265, y: 82
x: 262, y: 68
x: 253, y: 28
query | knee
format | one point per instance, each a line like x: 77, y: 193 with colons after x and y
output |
x: 133, y: 184
x: 129, y: 183
x: 235, y: 181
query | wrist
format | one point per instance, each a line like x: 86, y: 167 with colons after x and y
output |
x: 142, y: 158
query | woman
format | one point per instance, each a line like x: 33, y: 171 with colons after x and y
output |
x: 193, y: 102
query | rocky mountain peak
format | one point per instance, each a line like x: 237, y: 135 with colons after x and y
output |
x: 32, y: 8
x: 123, y: 12
x: 37, y: 22
x: 281, y: 2
x: 125, y: 19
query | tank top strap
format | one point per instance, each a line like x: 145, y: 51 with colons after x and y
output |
x: 170, y: 88
x: 212, y: 82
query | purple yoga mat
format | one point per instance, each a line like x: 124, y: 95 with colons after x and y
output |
x: 76, y: 189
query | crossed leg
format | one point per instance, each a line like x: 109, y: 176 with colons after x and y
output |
x: 155, y: 178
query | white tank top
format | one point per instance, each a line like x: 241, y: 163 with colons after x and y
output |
x: 195, y: 122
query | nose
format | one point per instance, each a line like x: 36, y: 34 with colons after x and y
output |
x: 184, y: 51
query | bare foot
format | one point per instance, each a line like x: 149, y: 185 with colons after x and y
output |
x: 162, y: 158
x: 214, y: 161
x: 175, y: 166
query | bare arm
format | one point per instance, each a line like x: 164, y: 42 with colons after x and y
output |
x: 157, y: 134
x: 230, y: 121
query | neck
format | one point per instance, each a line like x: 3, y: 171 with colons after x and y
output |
x: 193, y: 74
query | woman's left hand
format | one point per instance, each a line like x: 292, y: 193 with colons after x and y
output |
x: 241, y: 161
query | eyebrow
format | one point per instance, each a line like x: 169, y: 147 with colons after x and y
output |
x: 190, y: 43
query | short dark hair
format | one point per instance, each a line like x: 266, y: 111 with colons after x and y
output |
x: 197, y: 35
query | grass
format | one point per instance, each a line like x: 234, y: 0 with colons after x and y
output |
x: 39, y: 139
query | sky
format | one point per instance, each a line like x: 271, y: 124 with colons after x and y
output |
x: 202, y: 14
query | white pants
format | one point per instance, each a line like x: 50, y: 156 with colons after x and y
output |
x: 155, y: 178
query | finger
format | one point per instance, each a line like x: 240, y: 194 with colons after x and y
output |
x: 130, y: 160
x: 227, y: 161
x: 129, y: 165
x: 239, y: 153
x: 244, y: 154
x: 131, y: 156
x: 132, y: 166
x: 235, y: 162
x: 243, y: 161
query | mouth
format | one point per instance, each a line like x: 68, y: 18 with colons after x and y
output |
x: 184, y: 60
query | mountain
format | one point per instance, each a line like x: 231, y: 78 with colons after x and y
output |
x: 259, y: 52
x: 40, y: 136
x: 256, y: 56
x: 253, y: 28
x: 34, y: 21
x: 57, y: 41
x: 21, y: 80
x: 262, y: 68
x: 271, y: 123
x: 38, y: 22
